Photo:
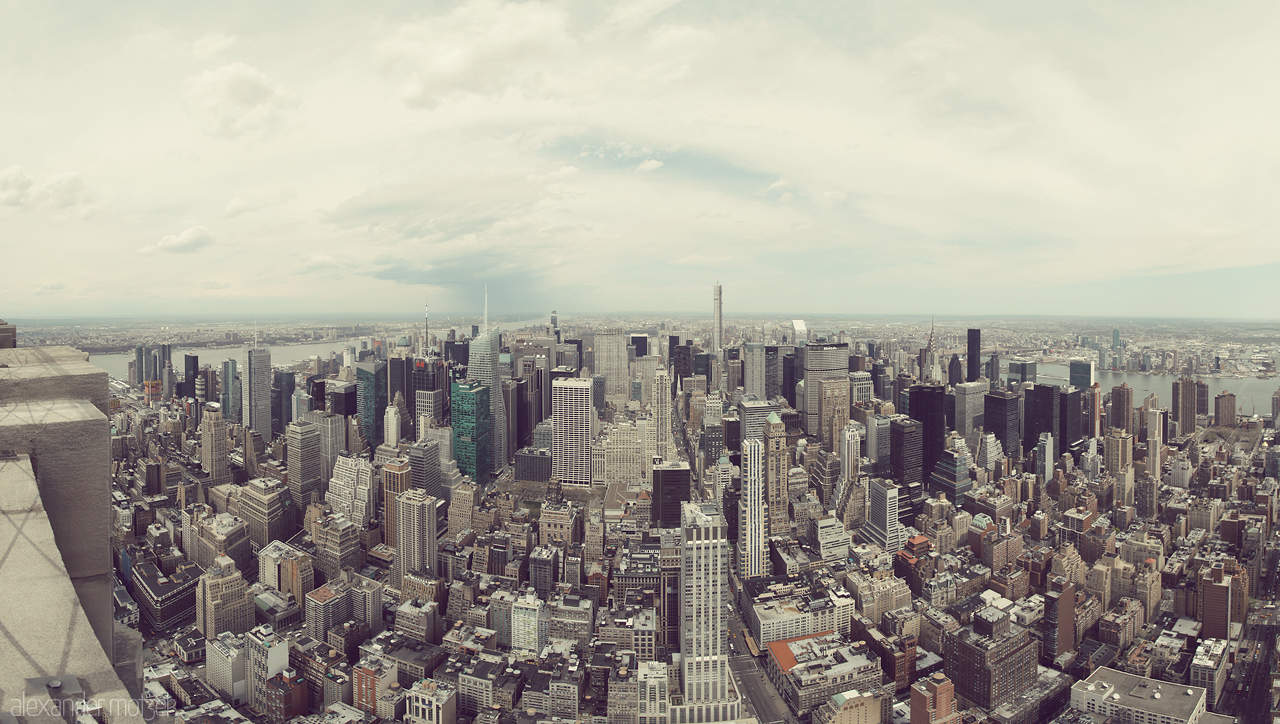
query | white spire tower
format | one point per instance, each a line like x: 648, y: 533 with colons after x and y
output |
x: 486, y: 308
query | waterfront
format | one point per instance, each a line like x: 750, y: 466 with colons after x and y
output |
x: 1249, y: 391
x: 117, y: 365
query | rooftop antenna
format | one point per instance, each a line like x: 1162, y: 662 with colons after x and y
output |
x: 255, y: 332
x: 486, y: 307
x: 426, y: 326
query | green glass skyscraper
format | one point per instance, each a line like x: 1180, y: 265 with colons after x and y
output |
x: 371, y: 399
x: 472, y: 433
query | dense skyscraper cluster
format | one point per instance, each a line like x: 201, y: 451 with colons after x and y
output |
x: 867, y: 515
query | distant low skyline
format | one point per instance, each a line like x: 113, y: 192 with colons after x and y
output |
x: 303, y: 160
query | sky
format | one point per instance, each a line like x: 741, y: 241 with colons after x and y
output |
x: 1083, y: 158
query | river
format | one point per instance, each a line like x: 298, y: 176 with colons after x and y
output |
x: 1249, y: 391
x: 117, y: 365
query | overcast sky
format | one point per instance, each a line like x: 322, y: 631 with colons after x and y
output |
x: 980, y: 157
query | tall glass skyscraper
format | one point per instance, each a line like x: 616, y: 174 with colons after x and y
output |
x: 230, y: 396
x: 483, y: 367
x: 472, y: 429
x: 371, y: 399
x: 255, y: 384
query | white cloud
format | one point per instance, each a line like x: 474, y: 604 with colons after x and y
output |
x: 239, y: 205
x: 236, y: 99
x: 443, y: 143
x: 478, y: 48
x: 207, y: 46
x: 49, y: 288
x: 191, y: 240
x: 15, y: 187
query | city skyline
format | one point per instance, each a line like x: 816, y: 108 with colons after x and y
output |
x: 607, y: 158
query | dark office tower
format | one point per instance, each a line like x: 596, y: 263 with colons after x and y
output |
x: 1081, y: 374
x: 598, y: 393
x: 993, y: 367
x: 789, y: 378
x: 166, y: 356
x: 283, y: 386
x: 973, y: 357
x: 1022, y: 371
x: 951, y: 476
x: 1122, y: 408
x: 1070, y: 419
x: 1202, y: 397
x: 681, y: 362
x: 1184, y: 405
x: 577, y: 346
x: 641, y: 343
x: 929, y: 407
x: 140, y: 365
x: 475, y: 331
x: 879, y: 373
x: 702, y: 365
x: 457, y: 352
x: 955, y: 373
x: 371, y: 399
x: 1000, y: 415
x: 670, y: 491
x: 399, y: 373
x: 906, y: 465
x: 901, y: 384
x: 190, y: 368
x: 1115, y: 339
x: 1040, y: 412
x: 772, y: 373
x: 732, y: 434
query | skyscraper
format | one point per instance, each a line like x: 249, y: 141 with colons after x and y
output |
x: 213, y: 446
x: 472, y: 444
x: 1001, y: 416
x: 717, y: 340
x: 753, y: 514
x: 302, y: 440
x: 255, y: 384
x: 929, y: 406
x: 906, y: 441
x: 611, y: 361
x: 662, y: 411
x: 415, y: 534
x: 1045, y: 456
x: 483, y: 366
x: 821, y: 362
x: 754, y: 371
x: 671, y: 483
x: 397, y: 477
x: 371, y: 400
x: 223, y: 600
x: 190, y: 368
x: 231, y: 392
x: 1122, y: 407
x: 332, y: 440
x: 970, y: 402
x: 704, y: 591
x: 1081, y: 374
x: 776, y: 468
x: 884, y: 519
x: 1224, y: 410
x: 973, y: 356
x: 1184, y: 405
x: 571, y: 418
